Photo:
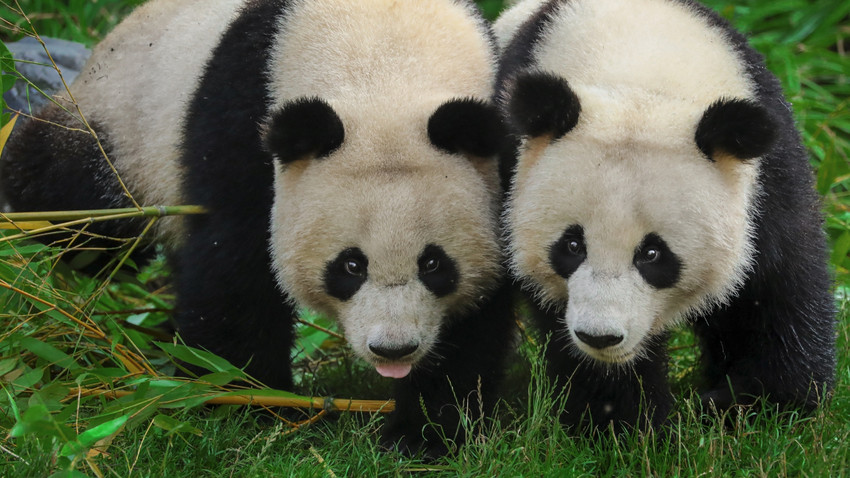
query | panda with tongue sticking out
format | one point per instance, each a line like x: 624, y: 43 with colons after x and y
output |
x: 345, y: 154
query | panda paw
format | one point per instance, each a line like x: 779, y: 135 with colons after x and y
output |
x: 727, y: 405
x: 410, y: 442
x: 736, y: 392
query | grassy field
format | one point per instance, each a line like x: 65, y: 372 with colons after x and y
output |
x: 65, y: 336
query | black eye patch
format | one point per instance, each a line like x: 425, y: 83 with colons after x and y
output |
x: 656, y: 263
x: 568, y: 252
x: 346, y: 273
x: 438, y: 271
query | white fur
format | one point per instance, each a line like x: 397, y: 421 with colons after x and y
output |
x: 384, y: 66
x: 147, y: 68
x: 644, y: 75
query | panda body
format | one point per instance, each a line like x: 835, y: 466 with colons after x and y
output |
x: 344, y: 153
x: 659, y: 178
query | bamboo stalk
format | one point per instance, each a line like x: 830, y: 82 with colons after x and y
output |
x: 258, y: 399
x: 148, y: 211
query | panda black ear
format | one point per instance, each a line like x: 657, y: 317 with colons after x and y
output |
x: 542, y: 103
x: 303, y: 128
x: 467, y: 125
x: 738, y: 127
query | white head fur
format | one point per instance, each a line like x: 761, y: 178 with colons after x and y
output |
x: 644, y: 76
x: 386, y: 191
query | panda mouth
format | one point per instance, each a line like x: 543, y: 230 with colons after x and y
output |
x: 617, y: 356
x: 393, y: 369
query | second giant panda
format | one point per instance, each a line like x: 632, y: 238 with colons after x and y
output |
x: 344, y: 153
x: 659, y: 178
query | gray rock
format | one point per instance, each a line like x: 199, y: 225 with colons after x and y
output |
x: 35, y: 65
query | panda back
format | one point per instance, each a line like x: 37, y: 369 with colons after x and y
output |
x: 138, y: 83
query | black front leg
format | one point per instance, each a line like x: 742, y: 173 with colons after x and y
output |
x: 457, y: 386
x: 228, y: 301
x: 776, y: 339
x: 629, y: 395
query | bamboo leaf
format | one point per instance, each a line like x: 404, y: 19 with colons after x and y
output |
x: 99, y: 432
x: 172, y: 426
x: 5, y: 131
x: 50, y: 353
x: 201, y: 358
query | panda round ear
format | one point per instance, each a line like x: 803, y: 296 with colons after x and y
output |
x: 467, y: 125
x: 542, y: 103
x: 304, y: 128
x: 739, y: 127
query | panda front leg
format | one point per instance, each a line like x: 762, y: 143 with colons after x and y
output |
x: 599, y: 395
x: 776, y: 339
x: 449, y: 394
x: 228, y: 301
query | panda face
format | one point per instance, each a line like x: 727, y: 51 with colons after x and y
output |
x: 636, y: 188
x: 388, y: 231
x: 628, y: 229
x: 405, y: 314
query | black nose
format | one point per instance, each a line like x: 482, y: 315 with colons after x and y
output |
x: 599, y: 341
x: 393, y: 351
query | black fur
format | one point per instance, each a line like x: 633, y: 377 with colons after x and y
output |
x: 775, y: 340
x: 567, y: 254
x: 227, y: 297
x: 303, y: 129
x: 345, y: 274
x: 543, y: 104
x: 52, y: 165
x: 438, y: 271
x: 657, y: 264
x: 737, y: 127
x: 467, y: 126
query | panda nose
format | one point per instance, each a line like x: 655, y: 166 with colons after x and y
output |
x: 599, y: 341
x: 393, y: 351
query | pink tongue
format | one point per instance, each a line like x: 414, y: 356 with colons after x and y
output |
x: 398, y: 370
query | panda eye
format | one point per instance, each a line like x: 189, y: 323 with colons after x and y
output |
x: 575, y: 246
x: 657, y: 263
x: 568, y: 252
x: 429, y: 266
x: 354, y: 267
x: 650, y: 255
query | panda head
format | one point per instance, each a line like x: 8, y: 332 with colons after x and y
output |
x: 630, y: 212
x: 389, y: 226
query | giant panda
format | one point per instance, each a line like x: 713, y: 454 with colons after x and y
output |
x: 657, y: 179
x: 345, y: 154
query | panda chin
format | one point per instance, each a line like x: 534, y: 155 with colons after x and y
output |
x: 612, y: 357
x: 393, y: 370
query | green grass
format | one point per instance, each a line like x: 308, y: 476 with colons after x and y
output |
x: 60, y: 329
